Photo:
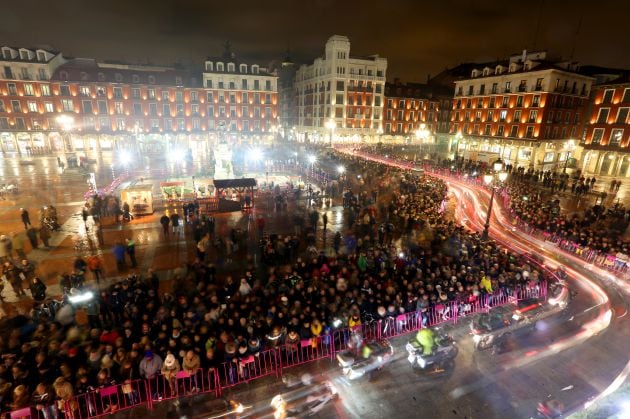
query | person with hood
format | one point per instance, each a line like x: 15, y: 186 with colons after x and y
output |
x: 170, y: 368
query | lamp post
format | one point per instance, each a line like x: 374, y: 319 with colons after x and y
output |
x: 493, y: 179
x: 458, y: 138
x: 66, y: 123
x: 274, y: 132
x: 331, y: 125
x: 342, y: 170
x: 421, y: 135
x: 311, y: 159
x: 570, y: 146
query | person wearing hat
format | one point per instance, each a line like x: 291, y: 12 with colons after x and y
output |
x: 170, y: 368
x: 150, y: 365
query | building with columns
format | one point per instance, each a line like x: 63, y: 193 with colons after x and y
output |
x: 528, y: 110
x: 340, y: 98
x: 25, y: 80
x: 607, y: 140
x: 56, y: 104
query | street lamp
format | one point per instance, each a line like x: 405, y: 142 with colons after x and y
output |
x: 66, y: 123
x: 421, y: 135
x: 570, y: 146
x: 274, y: 132
x: 458, y: 138
x: 493, y: 180
x: 331, y: 125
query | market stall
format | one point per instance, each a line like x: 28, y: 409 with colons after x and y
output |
x: 139, y: 197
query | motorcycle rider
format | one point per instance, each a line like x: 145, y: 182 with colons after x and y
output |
x: 426, y: 339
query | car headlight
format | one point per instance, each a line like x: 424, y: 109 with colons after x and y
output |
x: 477, y: 338
x: 379, y: 359
x: 411, y: 358
x: 353, y: 374
x: 332, y: 388
x: 516, y: 316
x: 422, y: 362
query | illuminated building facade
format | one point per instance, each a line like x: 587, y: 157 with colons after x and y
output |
x: 241, y: 99
x: 112, y: 105
x: 413, y: 112
x: 528, y: 110
x: 343, y: 89
x: 607, y: 140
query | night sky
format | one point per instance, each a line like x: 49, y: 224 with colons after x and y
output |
x: 418, y: 37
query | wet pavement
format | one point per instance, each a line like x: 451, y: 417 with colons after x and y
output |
x: 482, y: 385
x: 45, y: 185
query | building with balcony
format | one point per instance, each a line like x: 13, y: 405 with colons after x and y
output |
x: 109, y: 105
x: 412, y: 112
x: 343, y: 89
x: 241, y: 98
x: 528, y: 110
x: 607, y: 140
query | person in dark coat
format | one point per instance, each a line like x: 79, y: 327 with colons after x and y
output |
x: 119, y: 254
x: 165, y: 221
x: 131, y: 251
x: 38, y: 289
x: 26, y: 219
x: 31, y: 233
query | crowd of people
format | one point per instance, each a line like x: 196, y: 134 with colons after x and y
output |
x: 534, y: 200
x: 399, y: 252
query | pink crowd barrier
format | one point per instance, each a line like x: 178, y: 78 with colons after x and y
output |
x: 246, y: 369
x: 108, y: 400
x: 305, y: 351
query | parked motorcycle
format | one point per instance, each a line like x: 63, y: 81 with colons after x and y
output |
x: 441, y: 359
x: 355, y: 365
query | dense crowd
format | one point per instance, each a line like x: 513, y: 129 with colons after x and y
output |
x: 400, y: 253
x: 534, y: 200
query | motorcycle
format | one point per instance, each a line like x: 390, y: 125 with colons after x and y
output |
x: 354, y: 365
x: 441, y: 359
x: 305, y: 398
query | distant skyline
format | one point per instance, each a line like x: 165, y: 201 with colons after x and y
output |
x: 417, y: 37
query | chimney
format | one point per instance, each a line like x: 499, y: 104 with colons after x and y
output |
x: 524, y: 57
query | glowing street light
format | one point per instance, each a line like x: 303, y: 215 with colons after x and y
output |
x: 312, y: 159
x: 125, y: 157
x: 66, y: 123
x: 341, y: 170
x: 331, y: 125
x: 494, y: 179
